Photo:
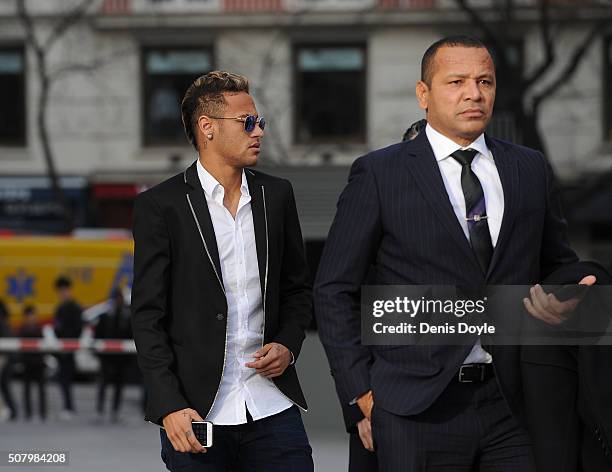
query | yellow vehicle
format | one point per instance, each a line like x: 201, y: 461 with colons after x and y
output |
x: 29, y: 266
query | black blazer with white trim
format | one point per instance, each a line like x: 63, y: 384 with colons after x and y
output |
x: 179, y: 308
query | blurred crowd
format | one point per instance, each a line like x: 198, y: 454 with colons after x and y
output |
x: 35, y: 369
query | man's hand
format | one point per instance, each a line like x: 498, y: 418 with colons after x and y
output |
x: 545, y: 306
x: 179, y: 431
x: 271, y: 360
x: 365, y: 434
x: 365, y: 403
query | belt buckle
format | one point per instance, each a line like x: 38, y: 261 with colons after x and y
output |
x: 481, y: 367
x: 461, y: 374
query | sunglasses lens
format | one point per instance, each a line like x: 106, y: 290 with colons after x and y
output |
x: 262, y: 123
x: 249, y: 123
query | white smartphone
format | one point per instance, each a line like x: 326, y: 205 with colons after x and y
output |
x: 203, y: 431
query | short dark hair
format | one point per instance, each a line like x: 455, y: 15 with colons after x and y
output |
x: 205, y: 97
x: 450, y: 41
x: 63, y: 282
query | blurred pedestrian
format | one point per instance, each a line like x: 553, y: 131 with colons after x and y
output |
x: 67, y: 323
x: 33, y: 366
x: 115, y: 324
x: 414, y: 129
x: 6, y: 365
x: 362, y: 457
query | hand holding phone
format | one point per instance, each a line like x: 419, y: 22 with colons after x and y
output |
x: 554, y: 308
x: 180, y: 432
x: 203, y: 431
x: 567, y: 292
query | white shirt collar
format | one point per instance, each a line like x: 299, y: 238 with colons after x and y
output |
x: 443, y: 147
x: 213, y: 189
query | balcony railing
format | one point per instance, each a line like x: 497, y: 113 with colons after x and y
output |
x: 128, y: 7
x: 144, y: 7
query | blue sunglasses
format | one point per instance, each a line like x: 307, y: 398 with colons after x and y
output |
x: 249, y: 121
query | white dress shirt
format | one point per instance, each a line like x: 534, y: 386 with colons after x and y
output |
x: 484, y: 167
x: 235, y: 238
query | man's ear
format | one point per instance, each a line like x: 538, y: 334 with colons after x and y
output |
x: 205, y: 125
x: 422, y: 94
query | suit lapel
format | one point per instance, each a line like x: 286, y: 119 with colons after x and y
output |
x: 198, y: 207
x: 260, y: 224
x: 427, y: 175
x: 507, y: 167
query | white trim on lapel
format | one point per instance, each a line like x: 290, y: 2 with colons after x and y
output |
x: 195, y: 218
x: 263, y: 195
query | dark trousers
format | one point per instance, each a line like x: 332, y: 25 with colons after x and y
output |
x: 469, y: 428
x: 562, y: 441
x: 592, y: 457
x: 274, y: 444
x: 65, y: 378
x: 360, y: 459
x: 34, y: 375
x: 112, y: 372
x: 6, y: 372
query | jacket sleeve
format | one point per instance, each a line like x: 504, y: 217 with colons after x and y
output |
x: 150, y: 310
x: 295, y: 304
x: 350, y: 249
x: 351, y: 415
x: 556, y: 251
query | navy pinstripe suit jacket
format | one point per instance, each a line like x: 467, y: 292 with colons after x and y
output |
x: 395, y: 221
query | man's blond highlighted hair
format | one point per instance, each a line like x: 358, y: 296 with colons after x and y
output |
x: 205, y: 97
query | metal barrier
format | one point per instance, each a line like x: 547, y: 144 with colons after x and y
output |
x: 107, y: 346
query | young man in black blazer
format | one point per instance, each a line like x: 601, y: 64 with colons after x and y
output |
x: 221, y: 296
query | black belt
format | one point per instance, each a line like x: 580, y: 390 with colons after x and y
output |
x: 474, y: 373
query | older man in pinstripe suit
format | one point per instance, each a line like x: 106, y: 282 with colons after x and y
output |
x: 453, y: 207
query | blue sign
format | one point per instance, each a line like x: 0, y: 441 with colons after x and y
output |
x: 20, y: 286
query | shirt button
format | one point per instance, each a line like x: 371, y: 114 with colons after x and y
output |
x: 220, y: 316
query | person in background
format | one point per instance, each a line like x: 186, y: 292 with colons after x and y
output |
x: 115, y: 324
x: 33, y: 366
x: 361, y: 446
x: 414, y: 129
x: 68, y: 323
x: 9, y: 410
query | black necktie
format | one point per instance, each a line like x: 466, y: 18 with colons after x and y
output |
x: 475, y: 208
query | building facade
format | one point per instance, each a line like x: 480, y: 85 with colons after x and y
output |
x: 334, y: 79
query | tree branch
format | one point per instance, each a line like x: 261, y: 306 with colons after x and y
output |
x: 572, y: 64
x: 547, y: 40
x: 491, y: 37
x: 28, y: 26
x: 72, y: 16
x: 89, y: 68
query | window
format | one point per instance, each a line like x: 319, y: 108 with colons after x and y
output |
x: 12, y: 97
x: 168, y: 72
x: 608, y: 89
x: 330, y: 94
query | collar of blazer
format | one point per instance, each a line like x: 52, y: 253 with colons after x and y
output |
x: 198, y: 208
x: 422, y: 164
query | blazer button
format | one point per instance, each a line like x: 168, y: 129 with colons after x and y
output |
x: 220, y: 316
